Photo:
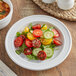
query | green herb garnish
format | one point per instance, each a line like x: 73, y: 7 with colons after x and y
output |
x: 2, y: 13
x: 30, y: 26
x: 31, y: 57
x: 21, y: 48
x: 18, y: 52
x: 18, y: 34
x: 43, y: 25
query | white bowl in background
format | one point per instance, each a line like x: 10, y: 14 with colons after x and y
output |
x: 5, y: 21
x: 59, y: 55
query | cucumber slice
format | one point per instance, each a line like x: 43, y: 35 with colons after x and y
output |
x: 48, y: 34
x: 49, y: 52
x: 36, y: 50
x: 31, y: 31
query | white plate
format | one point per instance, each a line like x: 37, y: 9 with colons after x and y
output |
x: 59, y: 55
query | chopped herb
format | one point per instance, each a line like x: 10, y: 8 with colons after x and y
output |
x: 53, y: 45
x: 24, y: 33
x: 18, y: 52
x: 31, y: 57
x: 31, y: 31
x: 18, y: 34
x: 2, y: 13
x: 30, y: 26
x: 22, y: 47
x: 43, y: 25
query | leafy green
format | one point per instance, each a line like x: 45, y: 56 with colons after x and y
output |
x: 51, y: 28
x: 31, y: 57
x: 22, y: 47
x: 43, y: 25
x: 24, y: 33
x: 53, y: 45
x: 18, y: 52
x: 31, y: 31
x: 3, y: 12
x: 18, y: 34
x: 30, y: 26
x: 43, y: 46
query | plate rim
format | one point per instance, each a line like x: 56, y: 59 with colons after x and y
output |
x: 42, y: 16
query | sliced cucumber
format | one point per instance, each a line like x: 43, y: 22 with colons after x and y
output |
x: 49, y: 52
x: 36, y: 50
x: 31, y: 31
x: 48, y: 34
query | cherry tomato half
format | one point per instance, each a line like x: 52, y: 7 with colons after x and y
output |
x: 28, y: 43
x: 57, y: 42
x: 56, y: 33
x: 37, y: 33
x: 27, y: 51
x: 18, y: 42
x: 37, y: 26
x: 41, y: 55
x: 23, y: 37
x: 36, y: 43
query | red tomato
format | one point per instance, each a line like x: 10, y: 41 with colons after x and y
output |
x: 18, y: 42
x: 37, y: 26
x: 23, y: 37
x: 37, y: 33
x: 28, y: 43
x: 57, y: 42
x: 56, y: 33
x: 36, y: 43
x: 27, y: 51
x: 41, y: 55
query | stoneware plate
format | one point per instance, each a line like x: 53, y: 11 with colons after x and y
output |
x: 59, y: 55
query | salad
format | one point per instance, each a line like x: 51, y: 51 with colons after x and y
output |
x: 37, y: 42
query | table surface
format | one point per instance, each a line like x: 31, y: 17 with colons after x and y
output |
x: 23, y: 8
